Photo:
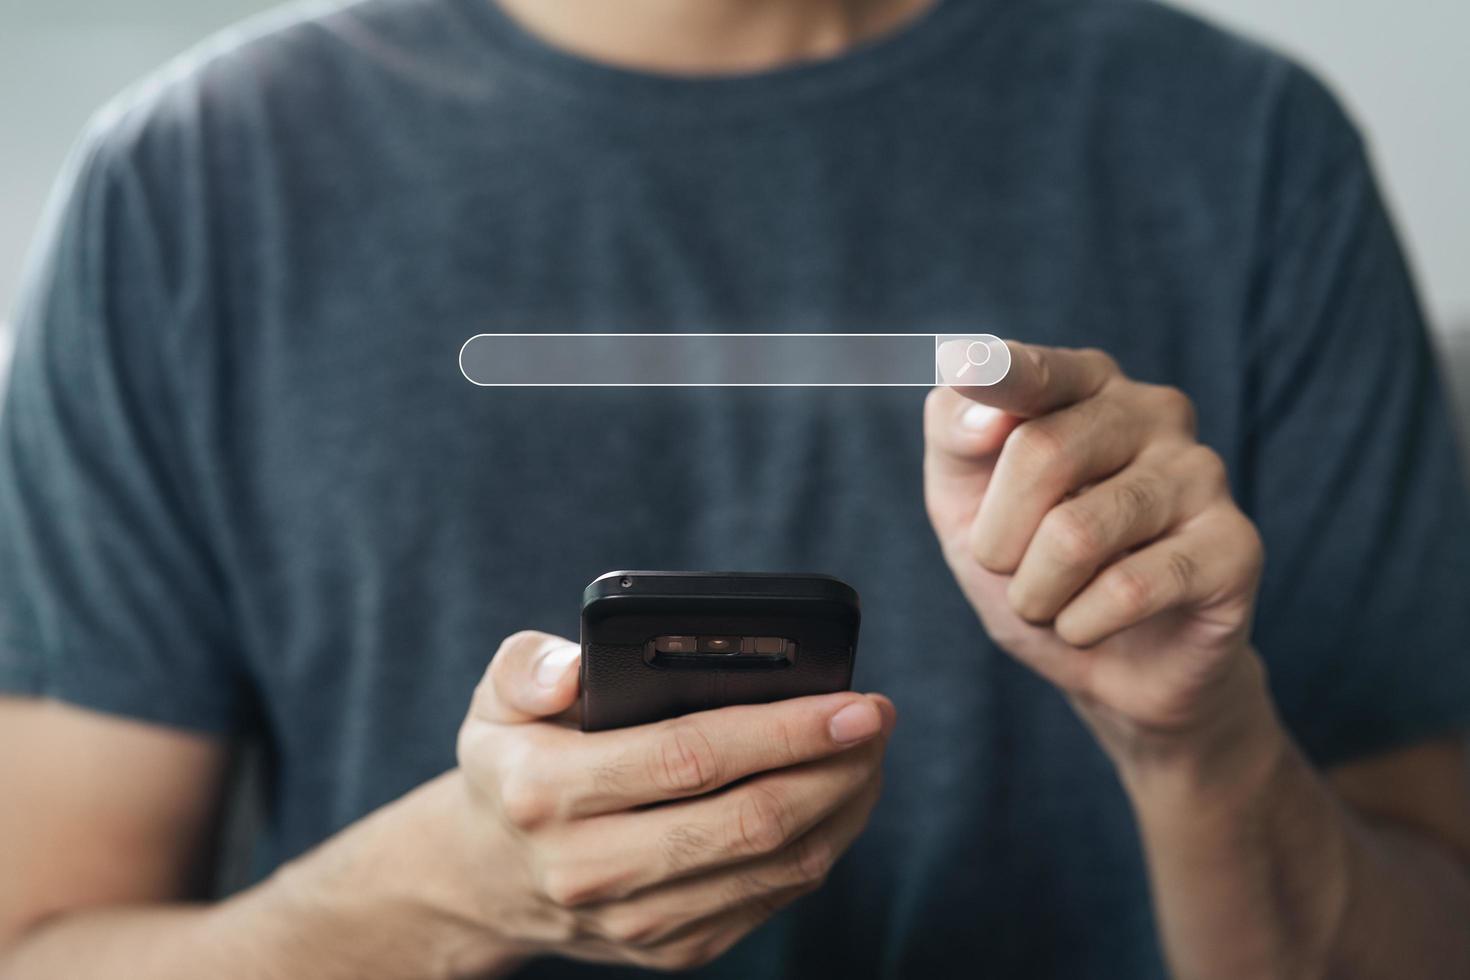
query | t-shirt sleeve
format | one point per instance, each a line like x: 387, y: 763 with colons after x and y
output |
x: 110, y: 597
x: 1353, y: 475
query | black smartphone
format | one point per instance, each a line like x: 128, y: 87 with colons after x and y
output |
x: 660, y: 644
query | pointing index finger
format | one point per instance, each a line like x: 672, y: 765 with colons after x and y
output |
x: 1040, y: 379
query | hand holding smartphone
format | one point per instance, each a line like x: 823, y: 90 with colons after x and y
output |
x: 657, y: 845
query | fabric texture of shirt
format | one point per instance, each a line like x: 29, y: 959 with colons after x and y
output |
x: 245, y: 490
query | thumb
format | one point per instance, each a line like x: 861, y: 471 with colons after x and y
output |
x: 532, y: 676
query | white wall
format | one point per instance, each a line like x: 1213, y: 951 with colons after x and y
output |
x: 59, y: 61
x: 1404, y: 67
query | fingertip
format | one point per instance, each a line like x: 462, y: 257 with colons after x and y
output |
x: 1074, y: 630
x: 554, y: 662
x: 858, y: 721
x: 1026, y: 602
x: 887, y: 709
x: 533, y: 675
x: 963, y: 428
x: 976, y: 419
x: 986, y: 546
x: 554, y: 676
x: 883, y: 700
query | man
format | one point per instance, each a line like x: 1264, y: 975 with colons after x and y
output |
x: 245, y: 492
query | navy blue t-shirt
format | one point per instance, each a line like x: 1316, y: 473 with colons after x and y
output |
x: 244, y: 488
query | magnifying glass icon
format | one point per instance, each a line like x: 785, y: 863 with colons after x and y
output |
x: 972, y: 359
x: 975, y: 360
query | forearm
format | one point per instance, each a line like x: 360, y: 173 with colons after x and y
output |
x: 1259, y: 869
x: 236, y: 939
x: 343, y: 911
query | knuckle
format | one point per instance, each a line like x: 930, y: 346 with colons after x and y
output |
x: 812, y: 858
x: 684, y: 760
x: 1176, y: 406
x: 744, y: 890
x: 472, y: 745
x: 784, y: 743
x: 631, y: 926
x: 762, y: 819
x: 1256, y: 544
x: 482, y: 697
x: 1102, y: 361
x: 1074, y: 534
x: 1039, y: 448
x: 475, y: 751
x: 1183, y: 571
x: 1130, y: 590
x: 1251, y: 547
x: 526, y: 802
x: 1207, y: 466
x: 569, y: 887
x: 1137, y: 499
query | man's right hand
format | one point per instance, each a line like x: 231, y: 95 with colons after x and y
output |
x: 658, y: 846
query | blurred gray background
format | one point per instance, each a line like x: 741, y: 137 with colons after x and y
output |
x: 1403, y: 68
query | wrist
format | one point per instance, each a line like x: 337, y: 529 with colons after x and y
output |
x: 379, y: 901
x: 1230, y: 752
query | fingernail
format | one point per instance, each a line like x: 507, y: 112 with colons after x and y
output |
x: 554, y: 663
x: 855, y: 722
x: 978, y: 417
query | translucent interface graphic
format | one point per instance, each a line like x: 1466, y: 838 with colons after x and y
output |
x: 737, y: 360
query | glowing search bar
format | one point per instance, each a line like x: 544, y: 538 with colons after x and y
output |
x: 779, y: 360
